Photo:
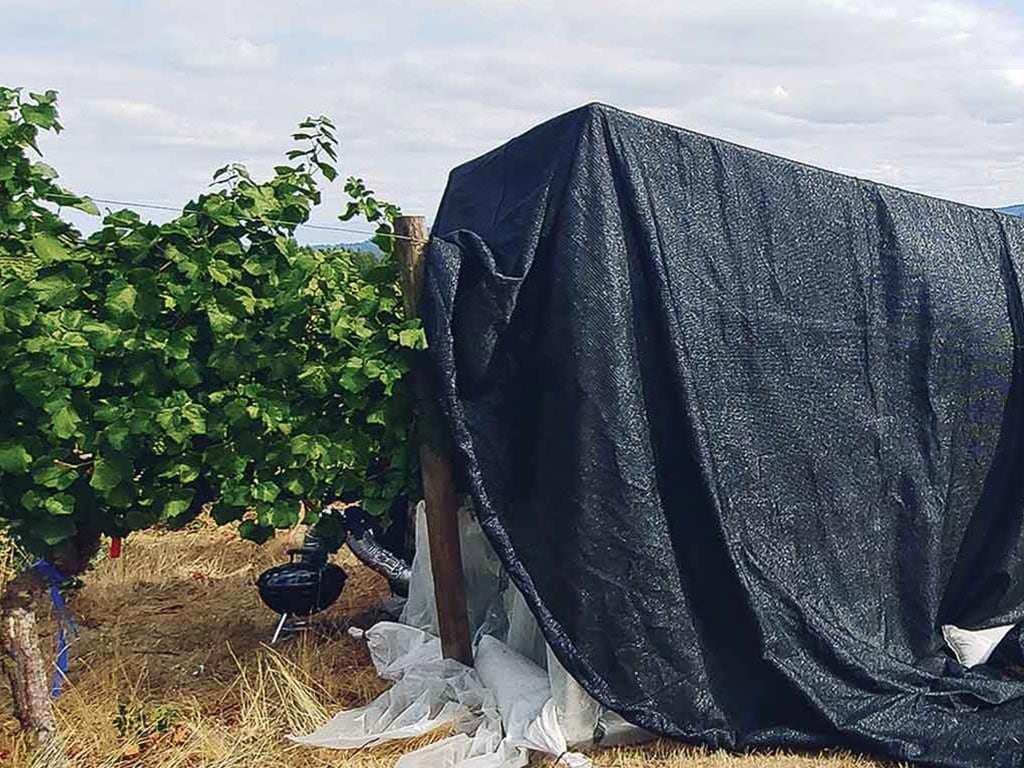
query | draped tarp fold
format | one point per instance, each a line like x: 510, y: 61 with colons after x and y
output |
x: 744, y: 432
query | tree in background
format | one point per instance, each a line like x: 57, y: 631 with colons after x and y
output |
x: 150, y: 371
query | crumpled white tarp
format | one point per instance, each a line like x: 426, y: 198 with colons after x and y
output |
x: 497, y: 709
x: 481, y: 569
x: 429, y: 692
x: 517, y: 697
x: 974, y: 646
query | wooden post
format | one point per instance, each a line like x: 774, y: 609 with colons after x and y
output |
x: 442, y: 502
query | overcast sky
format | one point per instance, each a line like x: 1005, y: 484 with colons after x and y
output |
x: 154, y: 95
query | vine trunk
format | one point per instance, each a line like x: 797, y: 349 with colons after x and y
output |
x: 27, y: 671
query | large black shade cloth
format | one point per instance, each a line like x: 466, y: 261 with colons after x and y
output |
x: 744, y: 432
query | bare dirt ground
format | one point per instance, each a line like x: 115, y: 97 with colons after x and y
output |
x: 171, y: 669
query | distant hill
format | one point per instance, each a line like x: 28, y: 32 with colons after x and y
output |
x: 1015, y: 210
x: 366, y: 246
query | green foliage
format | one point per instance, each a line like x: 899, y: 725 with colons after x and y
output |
x: 133, y: 721
x: 362, y: 202
x: 29, y: 229
x: 151, y: 369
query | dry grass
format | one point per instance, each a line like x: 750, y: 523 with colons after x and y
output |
x: 665, y: 754
x: 171, y: 669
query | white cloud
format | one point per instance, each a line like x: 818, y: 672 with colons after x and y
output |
x: 227, y: 53
x: 149, y: 123
x: 925, y: 94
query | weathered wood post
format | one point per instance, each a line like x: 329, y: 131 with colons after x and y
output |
x: 435, y: 464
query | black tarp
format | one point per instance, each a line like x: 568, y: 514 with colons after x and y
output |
x: 744, y: 432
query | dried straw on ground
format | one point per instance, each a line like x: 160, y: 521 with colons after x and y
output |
x: 171, y: 669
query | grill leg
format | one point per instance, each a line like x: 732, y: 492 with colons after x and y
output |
x: 280, y: 626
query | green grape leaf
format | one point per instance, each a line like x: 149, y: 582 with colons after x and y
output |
x: 14, y: 459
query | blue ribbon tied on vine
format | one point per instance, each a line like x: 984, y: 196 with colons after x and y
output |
x: 65, y: 624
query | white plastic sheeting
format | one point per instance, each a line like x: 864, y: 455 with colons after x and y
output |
x: 974, y: 646
x: 517, y: 697
x: 480, y: 566
x: 429, y: 692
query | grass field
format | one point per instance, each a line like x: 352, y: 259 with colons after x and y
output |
x: 171, y: 669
